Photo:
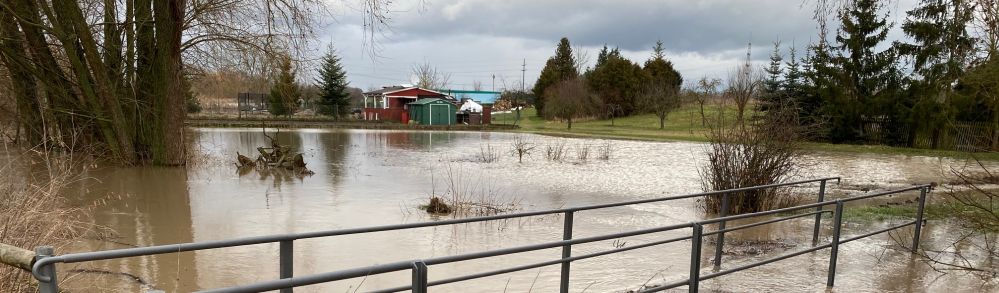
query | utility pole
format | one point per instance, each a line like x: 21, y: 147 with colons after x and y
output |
x: 494, y: 82
x: 523, y: 72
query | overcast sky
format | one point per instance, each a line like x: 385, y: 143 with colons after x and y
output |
x: 476, y: 39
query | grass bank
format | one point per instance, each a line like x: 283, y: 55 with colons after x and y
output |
x: 685, y: 124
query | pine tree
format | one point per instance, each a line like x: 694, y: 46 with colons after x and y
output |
x: 334, y: 100
x: 793, y: 75
x: 661, y: 94
x: 870, y: 78
x: 661, y: 69
x: 940, y: 53
x: 285, y: 91
x: 820, y: 89
x: 546, y: 79
x: 773, y: 85
x: 602, y: 56
x: 560, y: 67
x: 617, y: 82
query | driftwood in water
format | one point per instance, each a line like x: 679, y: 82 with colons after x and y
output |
x: 275, y: 156
x: 244, y: 161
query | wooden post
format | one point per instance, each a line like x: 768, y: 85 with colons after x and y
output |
x: 16, y: 257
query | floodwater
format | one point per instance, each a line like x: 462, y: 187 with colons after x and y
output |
x: 368, y: 177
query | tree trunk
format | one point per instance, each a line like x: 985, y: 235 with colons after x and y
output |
x: 169, y: 18
x: 570, y: 123
x: 662, y: 121
x: 23, y: 85
x: 704, y: 120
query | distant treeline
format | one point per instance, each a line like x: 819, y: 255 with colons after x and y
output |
x: 937, y: 88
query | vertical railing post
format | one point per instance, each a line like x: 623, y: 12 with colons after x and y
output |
x: 52, y: 286
x: 287, y: 262
x: 419, y: 277
x: 818, y: 217
x: 834, y: 248
x: 720, y: 243
x: 566, y: 253
x: 695, y: 258
x: 919, y: 219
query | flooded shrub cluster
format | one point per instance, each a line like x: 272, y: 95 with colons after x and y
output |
x: 467, y: 194
x: 762, y: 151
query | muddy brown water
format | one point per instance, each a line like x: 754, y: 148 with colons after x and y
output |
x: 370, y: 177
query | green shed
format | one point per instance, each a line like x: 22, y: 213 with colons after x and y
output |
x: 432, y: 111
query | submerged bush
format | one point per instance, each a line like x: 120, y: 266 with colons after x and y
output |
x: 762, y: 151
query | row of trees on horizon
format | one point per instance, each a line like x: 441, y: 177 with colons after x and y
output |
x: 942, y: 74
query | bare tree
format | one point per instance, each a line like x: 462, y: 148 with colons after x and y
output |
x: 580, y: 57
x: 660, y: 96
x: 986, y: 26
x: 706, y: 89
x: 114, y: 69
x: 427, y: 76
x: 743, y: 87
x: 570, y: 99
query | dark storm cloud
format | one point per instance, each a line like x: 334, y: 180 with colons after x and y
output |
x: 685, y: 26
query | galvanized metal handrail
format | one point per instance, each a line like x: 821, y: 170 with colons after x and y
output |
x: 194, y: 246
x: 44, y: 266
x: 419, y: 277
x: 421, y: 266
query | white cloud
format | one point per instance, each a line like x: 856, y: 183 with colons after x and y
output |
x: 476, y: 39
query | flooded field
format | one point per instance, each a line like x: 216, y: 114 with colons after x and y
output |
x: 366, y: 178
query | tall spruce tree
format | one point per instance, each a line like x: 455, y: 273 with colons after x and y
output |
x: 793, y: 75
x: 285, y: 91
x: 560, y: 67
x: 870, y: 78
x: 940, y: 53
x: 773, y: 84
x: 334, y: 99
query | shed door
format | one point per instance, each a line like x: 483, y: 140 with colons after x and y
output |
x: 440, y: 115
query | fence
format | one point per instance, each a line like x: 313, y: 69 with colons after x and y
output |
x: 960, y: 136
x: 44, y: 268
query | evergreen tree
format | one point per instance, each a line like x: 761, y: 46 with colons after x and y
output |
x: 546, y: 79
x: 602, y: 56
x: 940, y: 53
x: 285, y: 91
x: 773, y: 84
x: 617, y: 82
x: 661, y: 69
x: 793, y: 75
x: 560, y: 67
x: 870, y: 78
x: 820, y: 89
x: 334, y: 100
x: 661, y: 93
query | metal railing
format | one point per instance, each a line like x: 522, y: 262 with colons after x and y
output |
x: 44, y: 266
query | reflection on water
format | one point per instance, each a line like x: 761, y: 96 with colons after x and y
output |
x: 366, y: 178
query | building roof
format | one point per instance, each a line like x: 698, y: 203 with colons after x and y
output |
x: 394, y: 89
x: 469, y: 92
x: 387, y: 89
x: 427, y: 101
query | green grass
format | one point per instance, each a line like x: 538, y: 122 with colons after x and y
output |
x: 684, y: 124
x: 932, y: 211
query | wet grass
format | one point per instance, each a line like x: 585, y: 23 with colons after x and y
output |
x: 933, y: 211
x: 684, y: 124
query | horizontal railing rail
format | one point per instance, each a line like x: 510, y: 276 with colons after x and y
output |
x: 43, y: 268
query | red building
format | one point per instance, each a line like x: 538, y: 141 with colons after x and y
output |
x: 389, y: 103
